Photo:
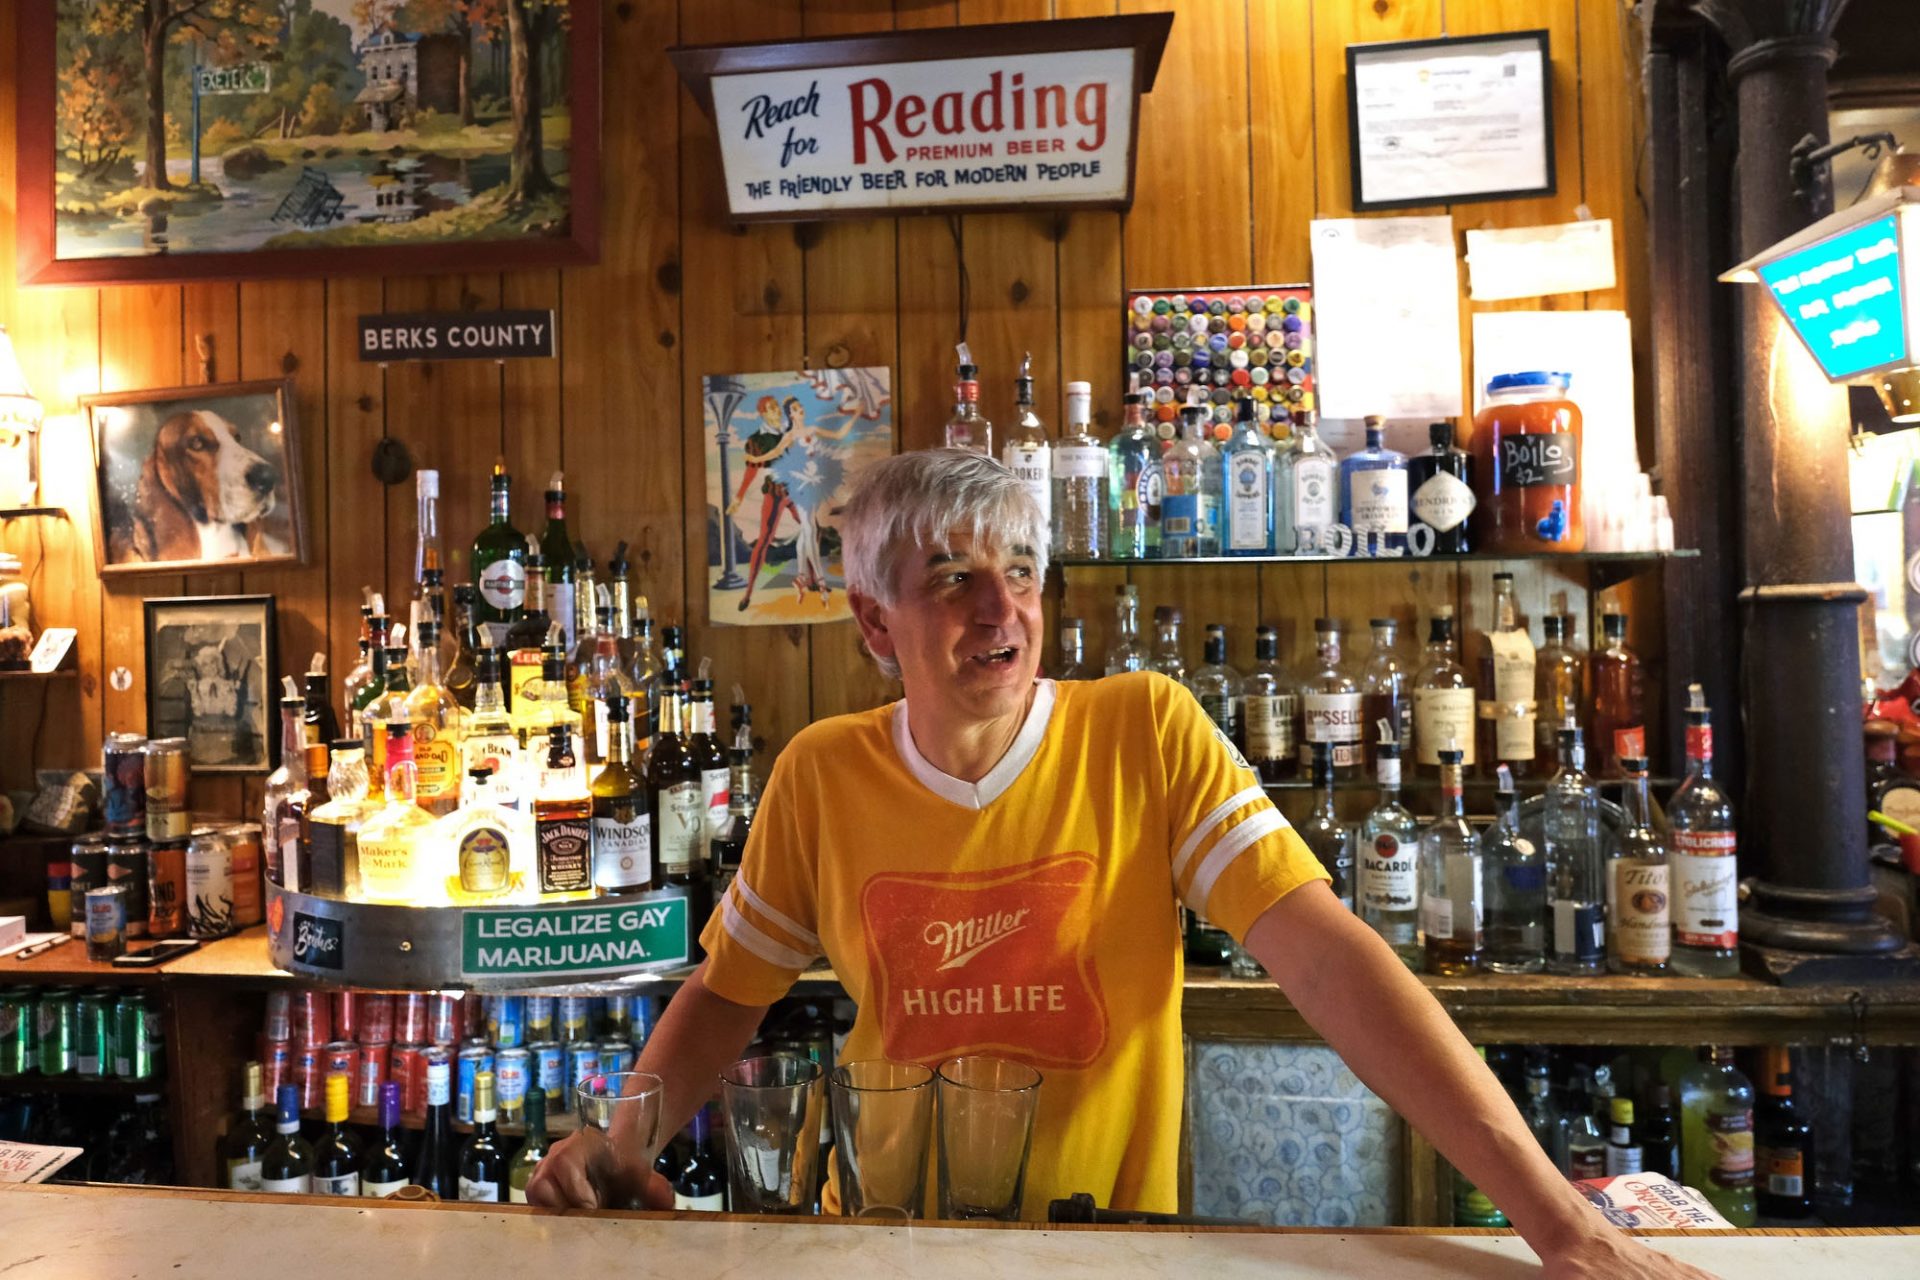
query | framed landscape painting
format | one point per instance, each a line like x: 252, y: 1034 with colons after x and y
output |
x: 231, y: 139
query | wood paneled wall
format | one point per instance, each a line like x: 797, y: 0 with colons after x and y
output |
x: 1242, y: 142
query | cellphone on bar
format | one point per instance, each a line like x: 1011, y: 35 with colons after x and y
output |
x: 158, y: 953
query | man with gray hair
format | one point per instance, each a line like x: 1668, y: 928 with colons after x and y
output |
x: 993, y: 864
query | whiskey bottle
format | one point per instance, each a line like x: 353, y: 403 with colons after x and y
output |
x: 435, y: 718
x: 1330, y: 705
x: 1443, y: 701
x: 622, y: 831
x: 490, y: 750
x: 1639, y: 920
x: 1218, y: 687
x: 500, y: 558
x: 1451, y: 912
x: 1514, y: 876
x: 1572, y: 830
x: 606, y: 682
x: 392, y: 864
x: 280, y: 831
x: 1704, y: 870
x: 730, y: 846
x: 1386, y: 689
x: 1619, y: 716
x: 489, y: 847
x: 1271, y: 699
x: 677, y: 812
x: 562, y: 822
x: 1560, y: 690
x: 337, y: 809
x: 703, y: 745
x: 1506, y: 691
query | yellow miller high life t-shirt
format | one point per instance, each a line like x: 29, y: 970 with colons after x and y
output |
x: 1030, y: 915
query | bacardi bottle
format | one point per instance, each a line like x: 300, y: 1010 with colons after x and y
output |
x: 1389, y: 856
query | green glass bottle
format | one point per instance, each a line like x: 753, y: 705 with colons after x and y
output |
x: 533, y: 1151
x: 558, y: 550
x: 500, y: 558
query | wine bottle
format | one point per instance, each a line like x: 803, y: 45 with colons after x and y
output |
x: 435, y: 1165
x: 532, y: 1151
x: 385, y: 1170
x: 336, y: 1157
x: 482, y: 1163
x: 286, y: 1167
x: 248, y: 1137
x: 702, y: 1183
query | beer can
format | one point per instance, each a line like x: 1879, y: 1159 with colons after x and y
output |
x: 443, y: 1019
x: 166, y: 784
x: 245, y: 872
x: 130, y: 1037
x: 374, y: 1013
x: 539, y: 1018
x: 312, y: 1016
x: 93, y: 1035
x: 410, y: 1018
x: 404, y: 1069
x: 127, y: 865
x: 583, y: 1060
x: 123, y: 777
x: 576, y: 1019
x: 167, y: 889
x: 106, y: 923
x: 152, y: 1050
x: 643, y: 1012
x: 616, y: 1019
x: 309, y: 1074
x: 506, y: 1021
x: 373, y: 1074
x: 550, y: 1072
x: 17, y: 1012
x: 55, y: 1021
x: 472, y: 1061
x: 616, y: 1056
x: 88, y: 871
x: 276, y: 1065
x: 340, y: 1057
x: 279, y: 1020
x: 512, y: 1070
x: 209, y: 885
x: 346, y: 1011
x: 473, y: 1017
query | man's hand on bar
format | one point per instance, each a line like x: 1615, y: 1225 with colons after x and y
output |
x: 1394, y: 1035
x: 571, y: 1176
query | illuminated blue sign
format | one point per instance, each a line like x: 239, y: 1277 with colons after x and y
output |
x: 1843, y: 297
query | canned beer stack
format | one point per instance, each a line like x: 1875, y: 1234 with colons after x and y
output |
x: 94, y: 1033
x: 534, y: 1041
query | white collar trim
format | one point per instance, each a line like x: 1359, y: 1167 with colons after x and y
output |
x: 978, y: 795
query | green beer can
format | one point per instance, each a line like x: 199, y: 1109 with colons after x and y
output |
x: 17, y: 1052
x: 55, y: 1025
x: 93, y: 1035
x: 136, y: 1036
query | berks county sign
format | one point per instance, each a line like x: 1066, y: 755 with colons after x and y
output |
x: 1020, y: 114
x: 456, y: 335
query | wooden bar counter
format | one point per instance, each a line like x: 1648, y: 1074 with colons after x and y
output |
x: 80, y: 1233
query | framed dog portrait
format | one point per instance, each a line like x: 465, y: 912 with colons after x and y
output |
x: 196, y: 478
x: 210, y: 672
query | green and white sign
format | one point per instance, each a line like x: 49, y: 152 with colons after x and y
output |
x: 241, y: 77
x: 573, y: 941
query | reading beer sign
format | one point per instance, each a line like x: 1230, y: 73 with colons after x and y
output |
x: 1018, y: 114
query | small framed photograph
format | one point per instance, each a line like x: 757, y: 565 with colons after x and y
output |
x: 1450, y: 120
x: 210, y: 670
x: 193, y: 478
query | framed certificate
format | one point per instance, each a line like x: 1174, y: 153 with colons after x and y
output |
x: 1450, y: 120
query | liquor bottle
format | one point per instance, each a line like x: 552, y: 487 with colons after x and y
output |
x: 429, y: 556
x: 1218, y: 687
x: 1079, y: 482
x: 1706, y: 890
x: 1624, y: 1153
x: 1386, y: 688
x: 336, y: 1157
x: 1619, y: 718
x: 373, y: 688
x: 489, y: 847
x: 622, y: 830
x: 1126, y: 653
x: 702, y: 1184
x: 389, y: 708
x: 703, y: 745
x: 1782, y: 1141
x: 548, y: 706
x: 385, y: 1169
x: 532, y: 1151
x: 1248, y: 466
x: 1571, y: 827
x: 588, y: 599
x: 1169, y: 658
x: 562, y: 822
x: 500, y: 559
x: 1560, y: 689
x: 1659, y: 1140
x: 1330, y: 704
x: 1639, y: 922
x: 1472, y: 1207
x: 337, y: 809
x: 1514, y: 879
x: 1586, y: 1143
x: 1716, y: 1134
x: 536, y: 621
x: 490, y: 750
x: 1507, y: 708
x: 1441, y: 497
x: 968, y: 428
x: 606, y: 683
x: 460, y: 673
x: 317, y: 719
x: 643, y: 674
x: 678, y: 814
x: 286, y: 1166
x: 362, y: 670
x: 1190, y: 492
x: 436, y: 1164
x: 1443, y: 701
x: 435, y: 718
x: 730, y: 846
x: 483, y: 1165
x: 248, y: 1134
x: 1134, y: 482
x: 279, y: 825
x: 1373, y: 495
x: 1271, y: 700
x: 1073, y: 651
x: 1306, y: 482
x: 1537, y: 1107
x: 1451, y: 911
x: 392, y: 865
x: 1329, y: 839
x: 557, y: 550
x: 1204, y: 944
x: 1389, y: 889
x: 1027, y: 452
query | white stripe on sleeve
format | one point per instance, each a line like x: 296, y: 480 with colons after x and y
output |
x: 761, y: 905
x: 1231, y: 846
x: 1207, y: 824
x: 754, y: 939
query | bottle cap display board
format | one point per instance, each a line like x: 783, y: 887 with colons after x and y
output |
x: 1232, y: 344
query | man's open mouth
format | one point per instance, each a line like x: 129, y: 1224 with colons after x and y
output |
x: 1002, y: 657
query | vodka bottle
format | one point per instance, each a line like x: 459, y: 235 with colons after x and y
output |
x: 1572, y: 829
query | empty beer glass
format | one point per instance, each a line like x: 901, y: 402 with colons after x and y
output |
x: 986, y: 1108
x: 773, y: 1107
x: 882, y: 1122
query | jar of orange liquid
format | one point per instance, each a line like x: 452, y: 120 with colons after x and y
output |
x: 1526, y: 444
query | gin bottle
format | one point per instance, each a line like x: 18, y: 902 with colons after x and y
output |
x: 1389, y: 890
x: 1079, y: 483
x: 1451, y: 914
x: 1373, y: 495
x: 1133, y: 484
x: 1169, y: 656
x: 1028, y: 454
x: 1441, y: 485
x: 968, y: 428
x: 1306, y: 477
x: 1330, y: 704
x: 1514, y: 885
x: 1572, y: 830
x: 1271, y: 706
x: 1330, y: 839
x: 1249, y: 473
x: 1706, y: 899
x: 1639, y: 922
x: 1190, y: 497
x: 1218, y: 686
x: 1126, y: 653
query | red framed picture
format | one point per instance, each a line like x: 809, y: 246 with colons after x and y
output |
x: 166, y: 140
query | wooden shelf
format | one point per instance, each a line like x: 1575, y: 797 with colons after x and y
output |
x: 61, y: 673
x: 81, y: 1086
x: 68, y: 963
x: 15, y: 513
